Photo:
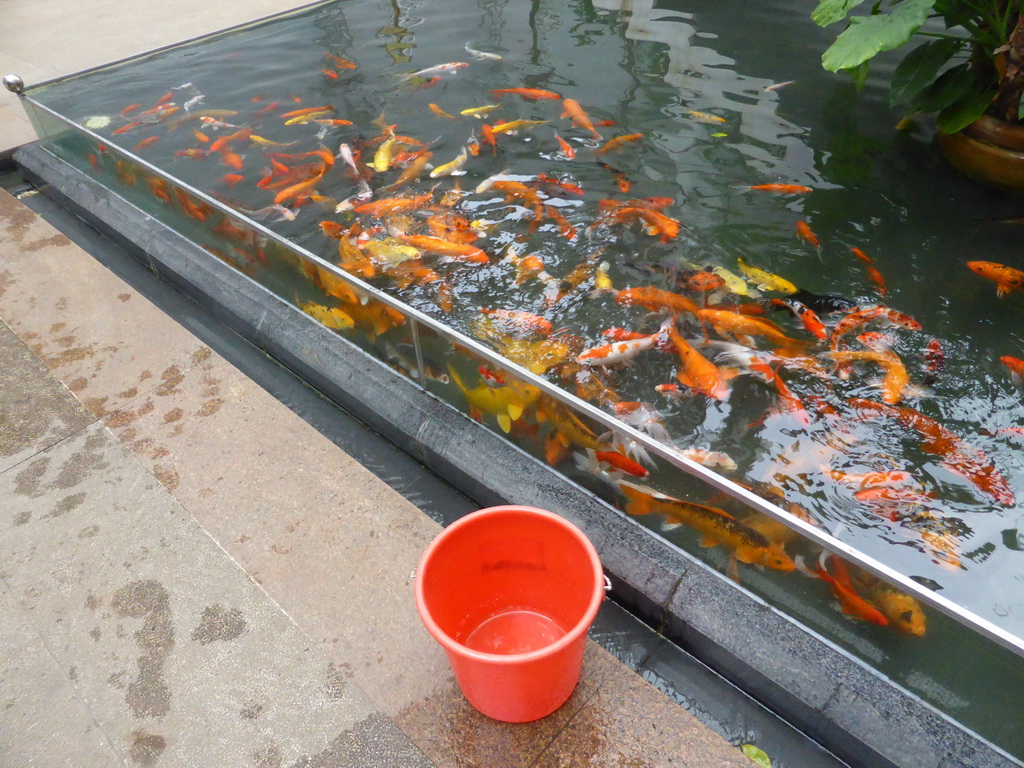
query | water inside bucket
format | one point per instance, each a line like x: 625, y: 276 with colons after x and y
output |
x: 516, y: 631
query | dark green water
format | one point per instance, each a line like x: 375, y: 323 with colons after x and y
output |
x: 886, y: 193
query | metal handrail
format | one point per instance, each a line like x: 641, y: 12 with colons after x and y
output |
x: 823, y: 539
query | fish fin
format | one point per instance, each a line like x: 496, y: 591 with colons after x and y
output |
x: 505, y: 423
x: 475, y: 413
x: 746, y: 555
x: 709, y: 541
x: 639, y: 499
x: 456, y: 378
x: 514, y: 412
x: 732, y: 570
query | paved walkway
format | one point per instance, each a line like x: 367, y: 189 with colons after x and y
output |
x: 189, y: 573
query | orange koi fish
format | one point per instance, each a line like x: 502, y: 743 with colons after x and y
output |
x: 696, y: 371
x: 856, y: 319
x: 734, y: 324
x: 568, y: 231
x: 566, y: 148
x: 781, y: 189
x: 622, y: 351
x: 532, y: 94
x: 804, y: 232
x: 339, y: 62
x: 806, y: 315
x: 1016, y: 366
x: 934, y: 361
x: 622, y: 463
x: 1007, y: 279
x: 329, y: 73
x: 440, y: 112
x: 572, y: 109
x: 656, y: 300
x: 518, y: 323
x: 618, y: 141
x: 566, y: 186
x: 306, y: 111
x: 873, y: 274
x: 231, y: 179
x: 381, y: 208
x: 715, y: 525
x: 129, y: 109
x: 145, y: 143
x: 468, y: 254
x: 851, y: 603
x: 903, y: 611
x: 699, y: 281
x: 896, y: 380
x: 968, y: 462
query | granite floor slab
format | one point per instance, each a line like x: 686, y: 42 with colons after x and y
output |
x: 178, y: 656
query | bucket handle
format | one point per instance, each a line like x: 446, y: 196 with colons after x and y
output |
x: 607, y: 582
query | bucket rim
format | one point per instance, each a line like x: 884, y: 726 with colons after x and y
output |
x: 570, y: 637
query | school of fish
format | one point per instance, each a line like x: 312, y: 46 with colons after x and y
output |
x: 407, y: 219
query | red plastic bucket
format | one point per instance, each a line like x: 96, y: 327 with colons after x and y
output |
x: 509, y: 593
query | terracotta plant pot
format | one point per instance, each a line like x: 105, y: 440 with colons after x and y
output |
x: 988, y: 151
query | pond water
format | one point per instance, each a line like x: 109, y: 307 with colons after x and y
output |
x: 709, y: 114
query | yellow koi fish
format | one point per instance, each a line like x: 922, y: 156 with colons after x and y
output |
x: 450, y: 168
x: 309, y: 117
x: 734, y: 283
x: 715, y: 525
x: 259, y: 141
x: 479, y: 112
x: 766, y: 281
x: 506, y: 402
x: 516, y: 125
x: 330, y: 317
x: 704, y: 117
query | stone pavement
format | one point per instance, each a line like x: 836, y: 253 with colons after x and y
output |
x: 192, y: 575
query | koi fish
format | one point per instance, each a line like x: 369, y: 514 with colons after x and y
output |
x: 339, y: 62
x: 643, y: 417
x: 656, y: 300
x: 566, y: 148
x: 505, y: 402
x: 733, y: 283
x: 959, y: 458
x: 392, y: 205
x: 440, y: 112
x: 621, y: 463
x: 765, y: 280
x: 851, y: 603
x: 781, y: 189
x: 695, y: 371
x: 620, y: 351
x: 882, y: 314
x: 309, y: 117
x: 145, y: 143
x: 482, y: 54
x: 330, y: 317
x: 804, y: 232
x: 699, y: 280
x: 710, y: 459
x: 463, y: 252
x: 1007, y: 279
x: 514, y: 126
x: 733, y: 324
x: 896, y: 381
x: 441, y: 69
x: 934, y: 362
x: 618, y: 141
x: 1016, y: 366
x: 903, y: 611
x: 568, y: 429
x: 451, y: 168
x: 704, y: 117
x: 576, y: 114
x: 532, y: 94
x: 810, y: 320
x: 479, y: 112
x: 715, y: 525
x: 518, y: 323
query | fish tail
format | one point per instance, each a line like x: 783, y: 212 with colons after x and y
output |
x: 639, y: 500
x: 456, y: 378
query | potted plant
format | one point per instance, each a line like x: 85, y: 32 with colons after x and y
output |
x: 968, y: 71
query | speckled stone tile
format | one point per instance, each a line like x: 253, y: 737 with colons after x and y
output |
x: 451, y: 732
x: 329, y: 541
x: 44, y: 720
x: 629, y: 723
x: 106, y: 343
x: 36, y: 410
x: 182, y: 659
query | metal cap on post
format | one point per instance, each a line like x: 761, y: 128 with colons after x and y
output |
x: 14, y: 84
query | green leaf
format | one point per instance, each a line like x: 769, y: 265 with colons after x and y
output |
x: 868, y: 35
x: 964, y: 112
x: 757, y: 755
x: 919, y: 68
x: 831, y: 11
x: 950, y: 87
